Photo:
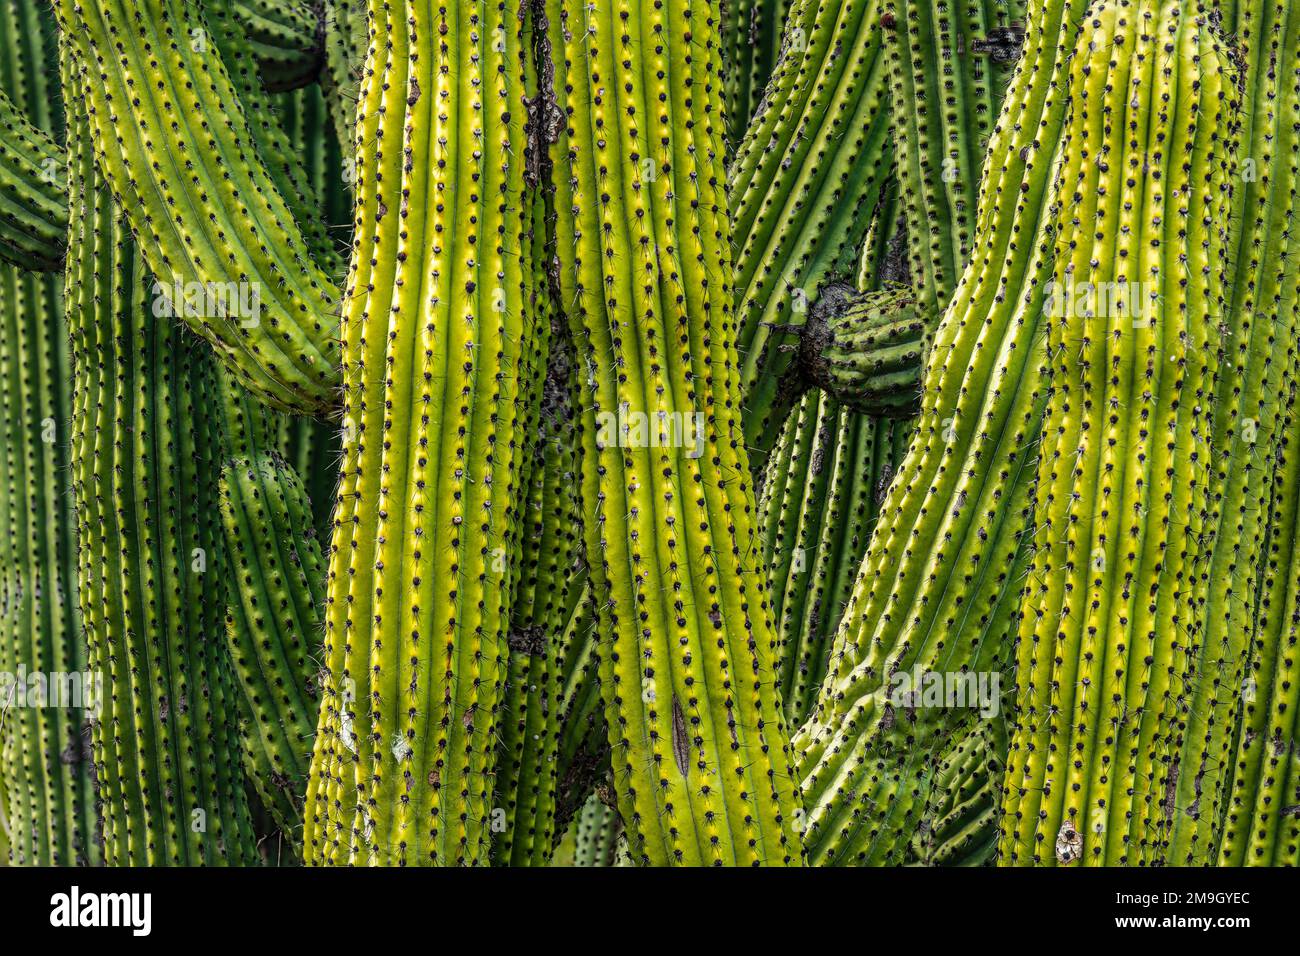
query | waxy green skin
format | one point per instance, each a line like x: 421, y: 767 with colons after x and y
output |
x: 938, y: 584
x: 700, y: 755
x: 274, y: 627
x: 436, y: 344
x: 949, y: 65
x: 1108, y: 625
x: 208, y: 187
x: 46, y: 797
x: 151, y: 569
x: 1253, y: 761
x: 958, y: 826
x: 803, y: 186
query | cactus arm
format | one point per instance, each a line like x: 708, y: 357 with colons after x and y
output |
x: 274, y: 627
x: 938, y: 582
x: 699, y: 756
x: 948, y: 71
x: 1119, y: 499
x: 200, y: 199
x: 346, y: 43
x: 416, y: 620
x: 150, y: 561
x: 33, y: 195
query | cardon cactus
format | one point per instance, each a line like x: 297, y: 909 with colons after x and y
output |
x: 566, y: 433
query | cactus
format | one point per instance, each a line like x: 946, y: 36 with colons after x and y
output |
x: 754, y: 36
x: 416, y: 619
x: 1237, y: 808
x: 804, y: 185
x: 33, y: 200
x: 948, y: 69
x: 821, y: 495
x: 274, y: 627
x: 46, y: 693
x: 286, y: 36
x: 210, y: 239
x: 150, y: 562
x: 959, y: 824
x: 937, y: 587
x: 700, y: 755
x: 1106, y: 629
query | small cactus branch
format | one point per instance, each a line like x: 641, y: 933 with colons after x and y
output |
x: 752, y: 36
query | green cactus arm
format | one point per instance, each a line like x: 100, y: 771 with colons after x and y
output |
x: 583, y: 757
x: 436, y: 328
x: 33, y: 194
x: 948, y: 70
x: 1107, y: 618
x: 938, y: 584
x: 45, y: 781
x: 821, y: 495
x: 186, y: 169
x: 752, y: 36
x: 804, y: 185
x: 145, y: 468
x: 287, y: 37
x: 274, y: 627
x: 1254, y: 822
x: 700, y: 755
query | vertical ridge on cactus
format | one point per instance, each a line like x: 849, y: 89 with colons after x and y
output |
x: 754, y: 35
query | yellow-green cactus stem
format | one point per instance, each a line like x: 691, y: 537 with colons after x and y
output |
x: 436, y: 330
x: 1255, y: 822
x: 346, y: 42
x: 701, y: 758
x: 146, y: 466
x: 274, y: 627
x: 804, y: 185
x: 1108, y: 628
x: 208, y: 202
x: 938, y: 585
x: 949, y: 65
x: 33, y: 193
